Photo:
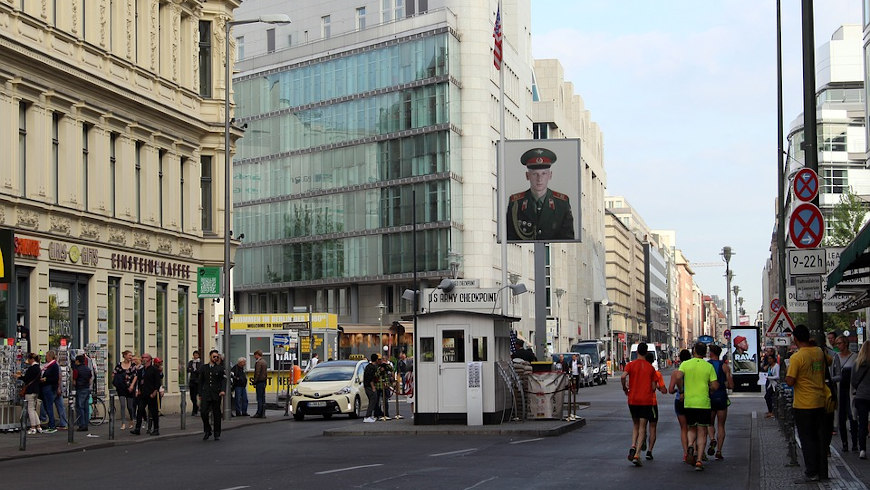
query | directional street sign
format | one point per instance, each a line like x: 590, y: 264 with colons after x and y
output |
x: 806, y: 226
x: 781, y: 325
x: 805, y: 185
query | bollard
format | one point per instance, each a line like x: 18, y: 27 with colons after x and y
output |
x: 112, y: 414
x: 183, y: 390
x: 70, y: 417
x: 22, y: 437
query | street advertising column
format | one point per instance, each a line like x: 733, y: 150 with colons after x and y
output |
x: 744, y: 352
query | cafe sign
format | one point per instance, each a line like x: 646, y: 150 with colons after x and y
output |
x: 60, y: 252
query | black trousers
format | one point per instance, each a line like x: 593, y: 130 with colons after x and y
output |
x: 151, y: 404
x: 815, y: 435
x: 211, y: 408
x: 194, y: 395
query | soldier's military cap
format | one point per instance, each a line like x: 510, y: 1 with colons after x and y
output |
x: 538, y: 159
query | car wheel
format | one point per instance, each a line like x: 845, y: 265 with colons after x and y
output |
x: 356, y: 408
x: 298, y: 416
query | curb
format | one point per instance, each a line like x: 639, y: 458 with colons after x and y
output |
x: 459, y: 430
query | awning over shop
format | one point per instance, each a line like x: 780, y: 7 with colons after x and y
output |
x: 853, y: 258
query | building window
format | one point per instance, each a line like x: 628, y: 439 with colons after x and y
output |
x: 55, y: 156
x: 417, y: 7
x: 205, y: 65
x: 181, y: 192
x: 836, y: 181
x: 160, y: 157
x: 113, y: 160
x: 113, y: 333
x: 325, y: 27
x: 541, y: 131
x: 137, y: 181
x: 22, y: 146
x: 182, y: 334
x: 392, y: 10
x: 86, y: 135
x: 361, y: 18
x: 139, y: 317
x: 205, y: 188
x: 161, y: 318
x: 240, y: 48
x: 834, y: 137
x: 270, y: 40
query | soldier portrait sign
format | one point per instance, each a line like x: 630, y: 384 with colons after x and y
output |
x: 543, y: 188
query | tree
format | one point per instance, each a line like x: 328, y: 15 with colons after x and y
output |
x: 846, y: 219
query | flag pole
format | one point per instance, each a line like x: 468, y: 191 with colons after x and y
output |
x: 500, y: 166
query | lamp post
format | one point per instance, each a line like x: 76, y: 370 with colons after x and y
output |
x: 726, y: 255
x: 559, y: 292
x: 588, y: 302
x: 736, y: 290
x: 381, y: 308
x: 268, y: 19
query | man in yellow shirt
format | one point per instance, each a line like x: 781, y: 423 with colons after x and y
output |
x: 806, y: 373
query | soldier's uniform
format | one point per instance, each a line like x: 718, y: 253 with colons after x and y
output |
x: 548, y: 218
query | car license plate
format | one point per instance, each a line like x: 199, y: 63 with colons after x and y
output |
x: 316, y: 404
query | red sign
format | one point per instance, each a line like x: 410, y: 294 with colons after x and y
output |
x: 805, y: 185
x: 27, y: 247
x: 806, y: 227
x: 781, y: 326
x: 774, y: 305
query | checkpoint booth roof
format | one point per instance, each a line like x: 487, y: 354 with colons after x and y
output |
x: 455, y: 359
x: 852, y: 272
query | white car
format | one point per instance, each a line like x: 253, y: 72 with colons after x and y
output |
x: 332, y: 387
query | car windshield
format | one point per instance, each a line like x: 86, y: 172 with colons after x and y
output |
x: 327, y: 372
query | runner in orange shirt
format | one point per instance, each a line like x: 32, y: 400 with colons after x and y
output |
x: 640, y: 391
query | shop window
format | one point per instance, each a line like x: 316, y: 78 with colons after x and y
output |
x: 478, y: 349
x: 182, y: 333
x: 260, y: 343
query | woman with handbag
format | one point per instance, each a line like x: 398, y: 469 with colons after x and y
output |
x: 31, y: 391
x: 122, y: 380
x: 861, y: 395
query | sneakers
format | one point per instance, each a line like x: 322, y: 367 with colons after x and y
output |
x: 719, y: 456
x: 50, y: 431
x: 699, y: 466
x: 631, y: 453
x: 690, y: 460
x: 370, y: 420
x: 862, y: 454
x: 31, y: 431
x: 649, y: 455
x: 636, y: 461
x: 712, y: 449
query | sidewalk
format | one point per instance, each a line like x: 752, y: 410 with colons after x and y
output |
x: 98, y: 436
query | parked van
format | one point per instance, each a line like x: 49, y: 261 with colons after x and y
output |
x: 598, y: 353
x: 650, y: 348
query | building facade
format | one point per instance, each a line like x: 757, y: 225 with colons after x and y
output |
x: 111, y: 118
x: 369, y: 159
x: 625, y: 285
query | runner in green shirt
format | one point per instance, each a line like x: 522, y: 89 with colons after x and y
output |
x: 699, y: 378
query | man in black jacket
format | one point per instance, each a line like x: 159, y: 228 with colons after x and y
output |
x: 147, y: 391
x: 212, y: 388
x: 370, y: 384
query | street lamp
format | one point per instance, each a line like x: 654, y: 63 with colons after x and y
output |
x: 727, y: 253
x: 267, y: 19
x: 559, y: 292
x: 736, y: 290
x: 588, y: 302
x: 381, y: 308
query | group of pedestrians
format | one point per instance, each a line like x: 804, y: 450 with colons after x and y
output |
x: 378, y: 380
x: 701, y: 403
x: 43, y: 395
x: 138, y: 382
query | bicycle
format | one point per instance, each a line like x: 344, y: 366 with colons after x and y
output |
x: 97, y: 411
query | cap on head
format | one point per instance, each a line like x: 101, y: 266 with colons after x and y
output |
x: 738, y: 339
x: 538, y: 159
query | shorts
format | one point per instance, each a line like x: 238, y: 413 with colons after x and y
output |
x: 697, y: 417
x: 678, y: 407
x: 717, y: 404
x: 647, y: 412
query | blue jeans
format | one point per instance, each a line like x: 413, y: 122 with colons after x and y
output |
x: 261, y: 398
x: 82, y: 408
x: 48, y: 394
x: 61, y: 409
x: 241, y: 394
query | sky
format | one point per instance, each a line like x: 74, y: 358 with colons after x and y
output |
x: 684, y: 92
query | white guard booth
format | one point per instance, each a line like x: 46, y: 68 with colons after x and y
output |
x: 456, y: 378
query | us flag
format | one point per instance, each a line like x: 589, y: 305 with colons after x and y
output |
x: 496, y: 33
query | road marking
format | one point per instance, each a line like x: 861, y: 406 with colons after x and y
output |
x: 236, y: 488
x: 481, y: 482
x: 461, y: 451
x: 348, y: 469
x: 527, y: 440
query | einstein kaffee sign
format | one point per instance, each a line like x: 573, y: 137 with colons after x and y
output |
x: 471, y: 299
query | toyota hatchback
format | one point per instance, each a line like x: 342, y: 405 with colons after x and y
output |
x: 331, y: 387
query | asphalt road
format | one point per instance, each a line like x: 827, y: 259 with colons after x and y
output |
x: 295, y: 454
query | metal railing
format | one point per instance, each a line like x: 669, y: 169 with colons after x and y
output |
x: 785, y: 416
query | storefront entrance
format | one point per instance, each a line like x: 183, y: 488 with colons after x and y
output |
x: 67, y: 310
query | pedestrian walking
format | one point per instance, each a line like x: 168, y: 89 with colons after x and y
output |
x: 147, y: 391
x: 699, y: 378
x: 640, y: 390
x: 772, y: 385
x: 654, y: 420
x: 370, y: 375
x: 260, y: 376
x: 212, y: 389
x: 83, y: 378
x: 841, y: 373
x: 193, y: 367
x: 806, y: 373
x: 719, y: 402
x: 861, y: 383
x: 311, y: 363
x: 122, y: 380
x: 240, y: 387
x: 50, y: 386
x: 676, y: 388
x: 30, y: 378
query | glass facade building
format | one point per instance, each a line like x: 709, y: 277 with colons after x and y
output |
x: 335, y: 150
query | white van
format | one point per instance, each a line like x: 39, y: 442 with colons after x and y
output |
x: 650, y: 348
